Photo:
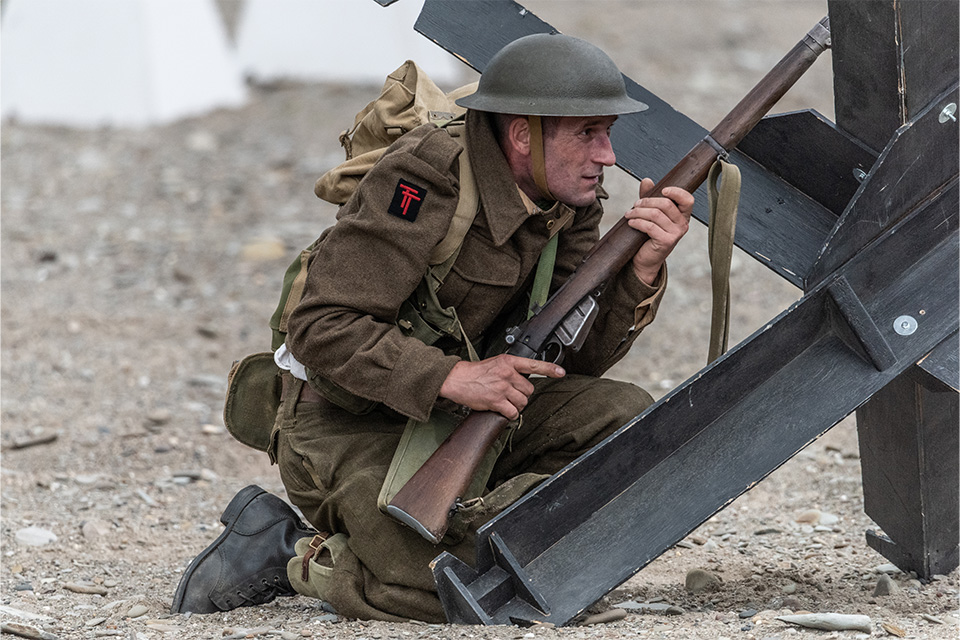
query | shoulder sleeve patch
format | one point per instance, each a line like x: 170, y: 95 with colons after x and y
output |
x: 407, y: 199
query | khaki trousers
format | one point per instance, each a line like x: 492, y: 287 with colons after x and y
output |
x: 333, y: 464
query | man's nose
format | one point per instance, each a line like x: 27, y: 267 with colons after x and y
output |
x: 604, y: 153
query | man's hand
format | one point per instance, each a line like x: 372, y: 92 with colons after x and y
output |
x: 665, y: 220
x: 496, y: 384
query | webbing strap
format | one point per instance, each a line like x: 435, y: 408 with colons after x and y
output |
x: 467, y: 206
x: 723, y: 201
x: 541, y: 281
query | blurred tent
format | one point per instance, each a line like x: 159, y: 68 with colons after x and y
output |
x: 90, y: 63
x: 354, y: 41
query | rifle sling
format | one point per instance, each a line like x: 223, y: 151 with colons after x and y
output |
x: 723, y: 199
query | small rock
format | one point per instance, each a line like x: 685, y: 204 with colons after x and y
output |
x: 610, y: 615
x: 95, y: 529
x: 110, y: 583
x: 886, y: 586
x: 136, y: 611
x: 792, y: 603
x: 828, y: 519
x: 94, y: 622
x: 789, y: 588
x: 810, y: 516
x: 830, y: 621
x: 162, y: 627
x: 35, y: 536
x: 674, y: 610
x: 327, y: 617
x: 26, y: 631
x: 886, y: 568
x: 85, y: 587
x: 23, y: 586
x: 686, y: 545
x: 160, y: 416
x: 930, y: 618
x: 699, y: 580
x: 698, y: 539
x: 766, y: 531
x: 747, y: 613
x: 212, y: 430
x: 893, y: 630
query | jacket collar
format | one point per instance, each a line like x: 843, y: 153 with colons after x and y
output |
x: 502, y: 206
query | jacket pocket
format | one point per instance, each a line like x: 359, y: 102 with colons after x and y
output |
x: 483, y: 267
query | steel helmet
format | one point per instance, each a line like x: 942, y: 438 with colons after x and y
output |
x: 552, y: 75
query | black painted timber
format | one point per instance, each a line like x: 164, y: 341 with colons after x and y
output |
x: 921, y: 157
x: 812, y: 154
x: 777, y: 224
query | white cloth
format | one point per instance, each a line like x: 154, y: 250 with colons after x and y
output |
x: 287, y: 362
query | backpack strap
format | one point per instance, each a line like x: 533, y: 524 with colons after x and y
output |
x: 444, y: 254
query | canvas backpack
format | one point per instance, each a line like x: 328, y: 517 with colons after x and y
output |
x: 409, y: 98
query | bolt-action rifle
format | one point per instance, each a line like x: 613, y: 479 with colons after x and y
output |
x: 432, y: 495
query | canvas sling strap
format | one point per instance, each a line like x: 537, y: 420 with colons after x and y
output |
x: 723, y: 190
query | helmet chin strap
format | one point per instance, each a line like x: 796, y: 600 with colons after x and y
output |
x: 536, y: 155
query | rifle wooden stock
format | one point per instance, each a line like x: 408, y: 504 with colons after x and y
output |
x: 430, y: 496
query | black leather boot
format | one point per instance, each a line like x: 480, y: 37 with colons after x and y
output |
x: 247, y: 564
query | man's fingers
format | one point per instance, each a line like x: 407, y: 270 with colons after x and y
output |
x: 538, y: 367
x: 646, y: 186
x: 682, y: 198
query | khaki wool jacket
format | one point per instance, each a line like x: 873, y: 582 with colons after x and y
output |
x: 372, y: 259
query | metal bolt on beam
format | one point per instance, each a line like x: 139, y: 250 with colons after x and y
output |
x: 948, y: 113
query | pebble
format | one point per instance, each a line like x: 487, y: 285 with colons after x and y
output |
x: 886, y: 586
x: 748, y: 613
x: 327, y: 617
x: 766, y: 531
x: 35, y: 536
x: 85, y: 587
x: 810, y: 516
x: 136, y: 611
x: 94, y: 622
x: 610, y: 615
x: 212, y: 430
x: 95, y: 529
x: 26, y: 631
x: 893, y: 630
x: 886, y: 568
x: 789, y: 588
x: 159, y: 416
x: 698, y: 580
x: 830, y: 621
x: 930, y: 618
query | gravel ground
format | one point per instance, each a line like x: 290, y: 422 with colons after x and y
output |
x: 137, y: 265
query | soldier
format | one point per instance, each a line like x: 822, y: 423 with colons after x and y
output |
x: 538, y: 138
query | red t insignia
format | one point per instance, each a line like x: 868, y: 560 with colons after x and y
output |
x: 407, y: 199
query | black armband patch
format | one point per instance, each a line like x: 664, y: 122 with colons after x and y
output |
x: 407, y: 200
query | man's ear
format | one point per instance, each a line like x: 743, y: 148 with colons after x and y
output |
x: 518, y: 136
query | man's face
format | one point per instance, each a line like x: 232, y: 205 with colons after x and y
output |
x: 576, y: 150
